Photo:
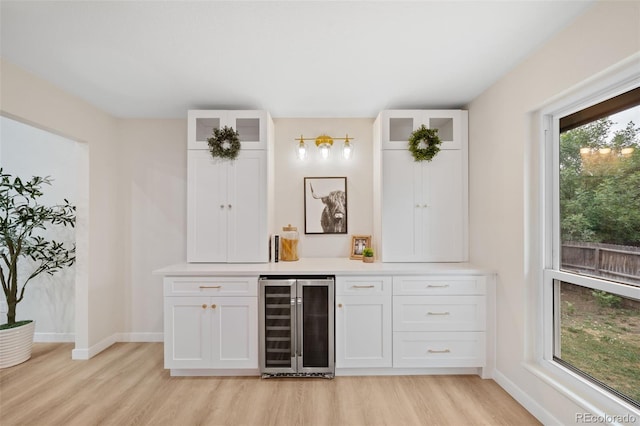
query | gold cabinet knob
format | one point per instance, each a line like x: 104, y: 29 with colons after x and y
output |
x: 213, y: 306
x: 339, y: 305
x: 204, y: 306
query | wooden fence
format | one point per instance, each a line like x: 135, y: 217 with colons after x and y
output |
x: 604, y: 260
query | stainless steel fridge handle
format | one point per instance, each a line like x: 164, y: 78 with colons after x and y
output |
x: 299, y: 325
x: 294, y: 331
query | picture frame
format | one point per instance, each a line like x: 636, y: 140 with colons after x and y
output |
x: 325, y: 205
x: 358, y: 243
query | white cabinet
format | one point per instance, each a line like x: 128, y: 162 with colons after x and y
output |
x: 420, y: 208
x: 397, y: 126
x: 227, y: 208
x: 423, y: 214
x: 252, y: 125
x: 206, y: 327
x: 439, y: 321
x: 363, y: 322
x: 228, y: 215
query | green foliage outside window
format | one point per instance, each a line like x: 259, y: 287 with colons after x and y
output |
x: 600, y: 186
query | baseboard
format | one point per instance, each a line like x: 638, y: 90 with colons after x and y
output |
x: 141, y: 337
x: 115, y: 338
x: 54, y: 337
x: 83, y: 354
x: 532, y: 406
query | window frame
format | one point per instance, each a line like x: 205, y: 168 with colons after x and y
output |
x: 578, y: 388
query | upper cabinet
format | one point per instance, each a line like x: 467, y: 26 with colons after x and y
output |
x: 420, y: 208
x: 252, y: 125
x: 396, y: 126
x: 228, y: 214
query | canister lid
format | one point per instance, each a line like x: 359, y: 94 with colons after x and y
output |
x: 289, y: 228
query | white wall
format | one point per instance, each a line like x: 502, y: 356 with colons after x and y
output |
x: 504, y: 203
x: 99, y: 228
x: 26, y: 151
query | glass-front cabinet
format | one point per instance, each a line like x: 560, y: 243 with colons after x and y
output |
x: 250, y: 124
x: 397, y: 126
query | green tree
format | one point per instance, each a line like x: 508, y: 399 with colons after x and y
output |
x: 600, y: 189
x: 22, y: 219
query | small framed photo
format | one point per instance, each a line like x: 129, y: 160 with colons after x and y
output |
x: 358, y: 243
x: 325, y: 205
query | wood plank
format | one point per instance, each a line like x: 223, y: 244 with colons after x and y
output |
x: 127, y: 385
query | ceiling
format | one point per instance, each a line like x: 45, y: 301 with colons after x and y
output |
x: 157, y: 59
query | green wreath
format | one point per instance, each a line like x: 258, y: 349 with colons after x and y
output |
x: 424, y: 144
x: 225, y: 143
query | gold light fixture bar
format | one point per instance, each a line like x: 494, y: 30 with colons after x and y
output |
x: 324, y: 143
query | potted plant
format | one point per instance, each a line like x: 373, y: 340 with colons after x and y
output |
x: 22, y: 220
x: 367, y: 255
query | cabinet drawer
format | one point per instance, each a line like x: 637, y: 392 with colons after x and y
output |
x: 439, y: 313
x: 439, y: 285
x: 438, y: 349
x: 211, y: 286
x: 363, y: 285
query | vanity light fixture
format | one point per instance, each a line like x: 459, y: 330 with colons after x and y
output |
x: 324, y: 144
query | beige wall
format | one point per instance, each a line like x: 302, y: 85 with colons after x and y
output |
x: 30, y: 99
x: 290, y: 173
x: 504, y: 141
x: 154, y: 167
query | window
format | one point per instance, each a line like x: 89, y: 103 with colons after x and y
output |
x: 594, y: 271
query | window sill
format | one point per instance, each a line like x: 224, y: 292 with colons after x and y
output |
x: 585, y: 394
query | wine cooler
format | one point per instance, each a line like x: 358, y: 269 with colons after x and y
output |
x: 297, y: 327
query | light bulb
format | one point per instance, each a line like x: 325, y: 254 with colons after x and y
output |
x: 347, y: 150
x: 324, y: 151
x: 301, y: 151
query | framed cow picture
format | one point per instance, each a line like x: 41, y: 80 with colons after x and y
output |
x: 325, y: 205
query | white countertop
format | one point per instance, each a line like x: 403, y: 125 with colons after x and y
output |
x: 315, y: 266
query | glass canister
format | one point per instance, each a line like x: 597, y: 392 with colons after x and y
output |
x: 289, y: 243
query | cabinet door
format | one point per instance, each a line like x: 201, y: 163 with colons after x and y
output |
x: 363, y: 331
x: 247, y: 208
x: 444, y: 207
x: 251, y: 126
x: 200, y: 125
x: 187, y: 332
x: 402, y: 209
x: 397, y: 126
x: 234, y: 332
x: 451, y: 126
x: 207, y: 208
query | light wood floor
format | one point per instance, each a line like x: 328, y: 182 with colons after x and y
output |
x: 127, y: 385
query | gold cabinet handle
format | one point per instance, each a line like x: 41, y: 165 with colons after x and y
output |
x: 210, y: 286
x: 213, y: 306
x: 362, y: 286
x: 204, y: 306
x: 438, y: 313
x: 437, y: 286
x: 444, y: 351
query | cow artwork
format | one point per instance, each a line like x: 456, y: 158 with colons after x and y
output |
x: 326, y: 208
